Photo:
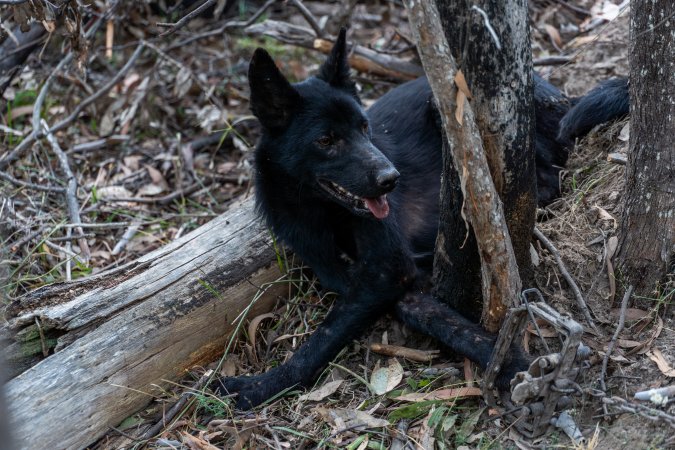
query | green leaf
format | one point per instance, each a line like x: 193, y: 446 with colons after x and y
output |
x: 414, y: 410
x: 465, y: 430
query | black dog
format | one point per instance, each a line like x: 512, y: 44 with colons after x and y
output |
x: 355, y: 195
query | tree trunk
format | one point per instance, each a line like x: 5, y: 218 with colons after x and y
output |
x: 501, y: 83
x: 119, y: 333
x: 647, y: 237
x: 500, y: 79
x: 482, y: 207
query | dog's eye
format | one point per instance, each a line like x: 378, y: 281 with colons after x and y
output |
x: 324, y: 141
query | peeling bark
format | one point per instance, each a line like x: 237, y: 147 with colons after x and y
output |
x: 647, y: 232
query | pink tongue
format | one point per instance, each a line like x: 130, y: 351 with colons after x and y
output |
x: 378, y: 206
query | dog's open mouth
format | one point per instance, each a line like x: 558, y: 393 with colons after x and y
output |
x: 378, y: 207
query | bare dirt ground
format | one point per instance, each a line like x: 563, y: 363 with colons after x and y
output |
x: 169, y: 146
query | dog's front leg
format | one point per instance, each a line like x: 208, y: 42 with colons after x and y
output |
x: 347, y: 320
x: 428, y: 315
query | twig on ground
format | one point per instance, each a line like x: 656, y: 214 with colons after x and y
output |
x: 228, y: 25
x: 72, y: 237
x: 12, y: 2
x: 309, y: 17
x: 27, y: 238
x: 581, y: 303
x: 664, y: 392
x: 361, y: 58
x: 553, y: 61
x: 575, y: 8
x: 173, y: 27
x: 36, y: 133
x: 66, y: 251
x: 617, y: 158
x: 166, y: 199
x: 126, y: 237
x: 612, y: 342
x: 98, y: 144
x: 25, y: 184
x: 175, y: 409
x: 404, y: 352
x: 96, y: 95
x: 401, y: 440
x: 71, y: 190
x: 624, y: 406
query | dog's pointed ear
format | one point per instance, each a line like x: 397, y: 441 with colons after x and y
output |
x: 335, y: 71
x: 273, y: 99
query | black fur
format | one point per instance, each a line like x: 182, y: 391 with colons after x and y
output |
x: 355, y: 194
x: 605, y: 102
x: 561, y: 120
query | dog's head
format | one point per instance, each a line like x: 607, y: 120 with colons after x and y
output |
x: 318, y: 134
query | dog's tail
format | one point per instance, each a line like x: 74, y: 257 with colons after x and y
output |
x: 607, y: 101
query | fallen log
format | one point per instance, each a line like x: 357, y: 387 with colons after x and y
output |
x: 121, y: 332
x: 361, y: 58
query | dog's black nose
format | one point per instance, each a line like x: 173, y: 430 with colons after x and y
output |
x: 387, y: 179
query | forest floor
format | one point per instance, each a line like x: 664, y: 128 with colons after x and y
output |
x: 170, y: 146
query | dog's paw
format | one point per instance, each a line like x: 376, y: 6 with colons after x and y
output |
x: 250, y: 391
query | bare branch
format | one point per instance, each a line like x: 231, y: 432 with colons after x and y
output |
x: 71, y: 190
x: 105, y: 88
x: 185, y: 20
x: 309, y: 17
x: 612, y: 342
x: 37, y: 187
x: 581, y: 303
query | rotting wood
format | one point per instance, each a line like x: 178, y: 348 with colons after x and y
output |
x: 138, y: 326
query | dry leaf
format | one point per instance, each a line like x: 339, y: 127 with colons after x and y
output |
x: 441, y: 394
x: 554, y: 34
x: 127, y: 116
x: 229, y: 367
x: 149, y: 190
x: 110, y: 192
x: 49, y: 25
x: 157, y: 177
x: 632, y: 314
x: 133, y: 162
x: 195, y: 443
x: 546, y: 331
x: 602, y: 214
x: 253, y: 326
x: 665, y: 368
x: 385, y: 379
x: 468, y: 372
x: 183, y: 82
x: 646, y: 345
x: 426, y: 433
x: 342, y: 418
x: 20, y: 111
x: 324, y: 391
x: 624, y: 134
